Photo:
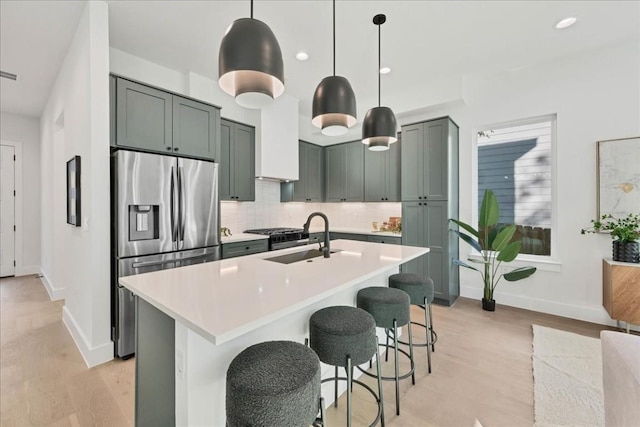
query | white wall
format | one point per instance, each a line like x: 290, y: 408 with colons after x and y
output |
x: 596, y: 96
x: 25, y: 131
x: 75, y: 121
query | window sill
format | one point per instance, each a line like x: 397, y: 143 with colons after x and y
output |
x: 542, y: 263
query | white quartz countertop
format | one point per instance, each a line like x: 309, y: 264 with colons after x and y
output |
x: 355, y: 231
x: 225, y: 299
x: 242, y: 237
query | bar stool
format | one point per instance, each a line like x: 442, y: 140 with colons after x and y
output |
x: 345, y: 337
x: 274, y: 383
x: 420, y: 292
x: 390, y: 309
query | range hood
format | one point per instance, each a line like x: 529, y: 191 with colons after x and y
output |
x: 277, y: 144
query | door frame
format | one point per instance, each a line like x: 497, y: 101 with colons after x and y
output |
x: 17, y: 248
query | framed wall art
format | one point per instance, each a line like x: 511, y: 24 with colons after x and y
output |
x: 73, y: 192
x: 618, y: 163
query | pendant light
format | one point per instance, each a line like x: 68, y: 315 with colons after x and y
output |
x: 379, y: 128
x: 334, y: 103
x: 250, y: 66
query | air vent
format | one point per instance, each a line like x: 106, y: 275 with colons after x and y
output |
x: 9, y: 76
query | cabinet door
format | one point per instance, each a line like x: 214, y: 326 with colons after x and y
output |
x: 336, y: 173
x: 143, y: 117
x: 300, y: 186
x: 195, y: 129
x: 412, y: 162
x: 244, y: 152
x: 435, y: 160
x: 393, y: 171
x: 375, y: 175
x: 435, y: 235
x: 354, y: 172
x: 314, y: 173
x: 412, y: 235
x: 224, y: 180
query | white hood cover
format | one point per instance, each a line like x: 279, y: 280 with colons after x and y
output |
x: 277, y: 144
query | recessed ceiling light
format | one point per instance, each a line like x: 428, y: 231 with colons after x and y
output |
x: 566, y: 22
x: 385, y: 70
x: 302, y: 56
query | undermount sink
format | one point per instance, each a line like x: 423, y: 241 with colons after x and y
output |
x: 307, y: 255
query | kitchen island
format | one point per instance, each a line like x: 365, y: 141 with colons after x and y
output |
x: 192, y: 321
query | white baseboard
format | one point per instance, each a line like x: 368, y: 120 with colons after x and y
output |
x: 54, y: 293
x: 27, y: 270
x: 92, y: 356
x: 586, y: 313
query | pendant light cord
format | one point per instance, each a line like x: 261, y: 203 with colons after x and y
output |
x: 379, y: 63
x: 334, y: 37
x: 251, y: 9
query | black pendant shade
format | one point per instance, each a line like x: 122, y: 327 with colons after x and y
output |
x: 379, y: 127
x: 250, y: 65
x: 334, y: 106
x: 334, y: 103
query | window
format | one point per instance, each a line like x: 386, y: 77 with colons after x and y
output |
x: 515, y: 161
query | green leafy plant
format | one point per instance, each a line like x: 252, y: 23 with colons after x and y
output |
x: 622, y: 229
x: 495, y: 244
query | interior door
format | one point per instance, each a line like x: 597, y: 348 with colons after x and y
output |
x: 7, y: 211
x: 199, y: 224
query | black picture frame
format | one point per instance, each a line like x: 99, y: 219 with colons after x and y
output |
x: 73, y: 192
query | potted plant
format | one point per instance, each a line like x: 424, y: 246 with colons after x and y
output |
x: 495, y: 244
x: 624, y: 231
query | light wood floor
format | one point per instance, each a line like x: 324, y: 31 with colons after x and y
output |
x: 481, y: 369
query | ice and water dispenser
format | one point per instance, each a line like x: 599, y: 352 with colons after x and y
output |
x: 144, y: 222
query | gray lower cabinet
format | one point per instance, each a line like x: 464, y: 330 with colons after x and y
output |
x: 382, y: 174
x: 426, y: 224
x: 236, y: 249
x: 237, y: 161
x: 310, y: 185
x: 150, y: 119
x: 344, y: 172
x: 317, y: 238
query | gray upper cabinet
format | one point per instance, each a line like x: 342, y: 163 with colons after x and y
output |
x: 150, y: 119
x: 382, y: 174
x: 430, y: 197
x: 143, y: 117
x: 425, y: 160
x: 309, y: 186
x: 344, y: 172
x: 237, y: 161
x: 195, y: 129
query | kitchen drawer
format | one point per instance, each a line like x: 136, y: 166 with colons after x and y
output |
x: 235, y: 249
x: 349, y: 236
x: 386, y: 239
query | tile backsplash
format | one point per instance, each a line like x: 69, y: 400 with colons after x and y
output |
x: 267, y: 211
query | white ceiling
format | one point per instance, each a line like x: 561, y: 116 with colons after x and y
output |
x: 430, y: 45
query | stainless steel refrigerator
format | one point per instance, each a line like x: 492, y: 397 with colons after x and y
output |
x: 166, y: 215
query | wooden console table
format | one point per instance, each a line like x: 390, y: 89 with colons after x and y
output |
x: 621, y: 290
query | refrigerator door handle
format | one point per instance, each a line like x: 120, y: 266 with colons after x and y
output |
x: 182, y: 208
x: 172, y: 208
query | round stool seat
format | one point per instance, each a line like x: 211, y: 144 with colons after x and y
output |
x: 275, y: 383
x: 341, y: 331
x: 417, y: 287
x: 385, y: 305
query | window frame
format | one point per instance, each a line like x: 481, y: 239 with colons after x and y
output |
x: 543, y: 262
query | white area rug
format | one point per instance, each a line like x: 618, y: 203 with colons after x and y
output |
x: 567, y: 376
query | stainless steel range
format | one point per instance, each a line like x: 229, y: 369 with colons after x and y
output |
x: 280, y: 238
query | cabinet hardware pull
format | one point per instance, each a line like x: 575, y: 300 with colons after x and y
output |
x: 169, y: 148
x: 175, y: 149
